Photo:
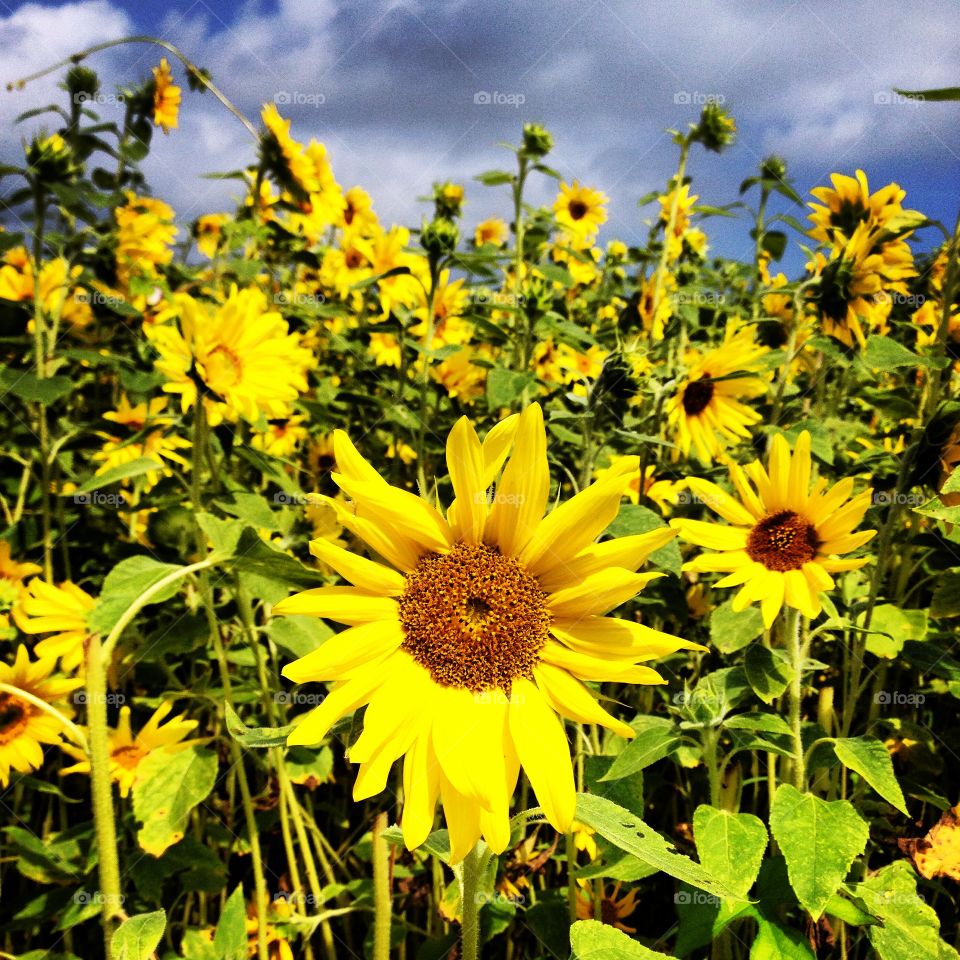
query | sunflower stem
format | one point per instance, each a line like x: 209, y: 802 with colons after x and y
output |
x: 791, y: 635
x: 667, y: 234
x: 382, y: 901
x: 470, y: 929
x: 101, y: 789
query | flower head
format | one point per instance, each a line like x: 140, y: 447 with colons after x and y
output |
x: 166, y: 97
x: 58, y: 610
x: 580, y: 210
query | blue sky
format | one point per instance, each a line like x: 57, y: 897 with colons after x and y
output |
x: 390, y: 86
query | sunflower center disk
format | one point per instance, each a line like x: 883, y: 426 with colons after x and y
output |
x: 223, y: 369
x: 474, y: 618
x: 697, y: 396
x: 783, y: 541
x: 578, y: 209
x: 14, y: 716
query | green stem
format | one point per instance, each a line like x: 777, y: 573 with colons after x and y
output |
x: 104, y: 816
x: 425, y: 377
x: 382, y: 901
x: 791, y: 634
x: 470, y: 930
x: 668, y: 232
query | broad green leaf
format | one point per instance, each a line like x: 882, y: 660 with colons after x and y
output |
x: 730, y: 631
x: 892, y: 627
x: 774, y: 942
x: 946, y: 595
x: 125, y: 471
x: 254, y: 738
x: 819, y: 840
x: 884, y: 353
x: 505, y: 387
x: 30, y: 388
x: 168, y: 787
x: 652, y: 743
x: 250, y: 507
x: 768, y: 671
x: 730, y: 845
x: 137, y: 937
x: 847, y: 911
x: 298, y: 635
x: 627, y: 791
x: 633, y: 836
x: 592, y: 940
x: 870, y: 758
x: 909, y: 928
x: 714, y: 696
x: 230, y: 938
x: 126, y: 583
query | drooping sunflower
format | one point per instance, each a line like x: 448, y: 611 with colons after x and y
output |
x: 285, y: 157
x: 472, y: 639
x: 166, y: 97
x: 786, y: 536
x: 580, y: 210
x: 127, y: 751
x: 24, y: 727
x: 60, y: 610
x: 241, y: 352
x: 706, y: 411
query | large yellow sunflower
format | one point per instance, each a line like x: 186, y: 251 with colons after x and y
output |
x: 166, y: 97
x: 786, y: 536
x: 23, y: 725
x: 474, y: 636
x: 127, y: 750
x: 241, y: 352
x: 706, y: 411
x: 62, y: 611
x: 580, y: 210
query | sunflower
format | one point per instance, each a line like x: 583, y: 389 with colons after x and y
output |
x: 663, y: 493
x: 208, y: 232
x: 285, y: 157
x: 358, y: 212
x: 281, y: 437
x: 493, y: 231
x: 242, y: 356
x: 145, y: 234
x: 786, y: 536
x: 614, y: 908
x: 23, y: 725
x: 12, y: 575
x: 476, y: 632
x: 707, y: 410
x: 127, y: 751
x: 60, y: 610
x: 166, y: 97
x: 580, y: 210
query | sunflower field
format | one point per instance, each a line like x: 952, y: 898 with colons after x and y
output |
x: 464, y: 590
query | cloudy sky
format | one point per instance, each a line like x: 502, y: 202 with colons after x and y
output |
x: 405, y: 92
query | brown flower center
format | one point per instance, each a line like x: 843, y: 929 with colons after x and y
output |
x: 128, y: 756
x: 14, y: 717
x: 577, y: 209
x: 783, y: 541
x: 474, y: 618
x: 697, y: 396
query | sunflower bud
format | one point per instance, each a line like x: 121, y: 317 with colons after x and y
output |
x: 82, y: 84
x: 439, y: 237
x: 773, y: 168
x: 716, y: 128
x: 51, y: 160
x: 537, y: 141
x: 448, y: 200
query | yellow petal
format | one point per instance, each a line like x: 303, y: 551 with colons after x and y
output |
x: 421, y: 788
x: 720, y: 502
x: 349, y: 461
x: 346, y: 651
x: 570, y: 698
x: 364, y: 574
x: 599, y: 593
x: 463, y: 820
x: 343, y: 604
x: 597, y: 666
x: 714, y: 536
x: 496, y: 446
x: 466, y: 468
x: 395, y: 547
x: 614, y: 637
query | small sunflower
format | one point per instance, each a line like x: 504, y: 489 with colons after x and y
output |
x: 706, y: 411
x: 60, y: 610
x: 493, y: 231
x: 281, y: 437
x: 357, y: 213
x: 473, y: 643
x: 580, y: 210
x: 614, y: 908
x: 786, y: 537
x: 24, y: 727
x: 238, y: 355
x: 285, y: 157
x: 127, y: 750
x: 166, y: 98
x: 12, y: 575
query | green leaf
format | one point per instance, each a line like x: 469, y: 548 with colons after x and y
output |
x: 138, y: 937
x: 819, y: 840
x: 891, y: 627
x: 254, y: 738
x: 125, y: 471
x: 298, y: 635
x: 935, y: 96
x: 31, y: 388
x: 870, y: 758
x: 634, y: 518
x: 730, y: 845
x: 252, y: 508
x: 883, y: 353
x: 731, y: 631
x: 847, y: 911
x: 768, y: 671
x: 946, y: 595
x: 168, y: 787
x: 774, y: 942
x: 909, y: 928
x: 774, y: 242
x: 633, y: 836
x: 505, y: 387
x: 124, y: 584
x: 652, y: 743
x: 230, y: 938
x: 592, y: 940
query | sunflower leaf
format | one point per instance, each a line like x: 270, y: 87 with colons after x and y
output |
x: 730, y: 845
x: 592, y: 940
x: 871, y: 759
x: 632, y: 835
x: 138, y: 937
